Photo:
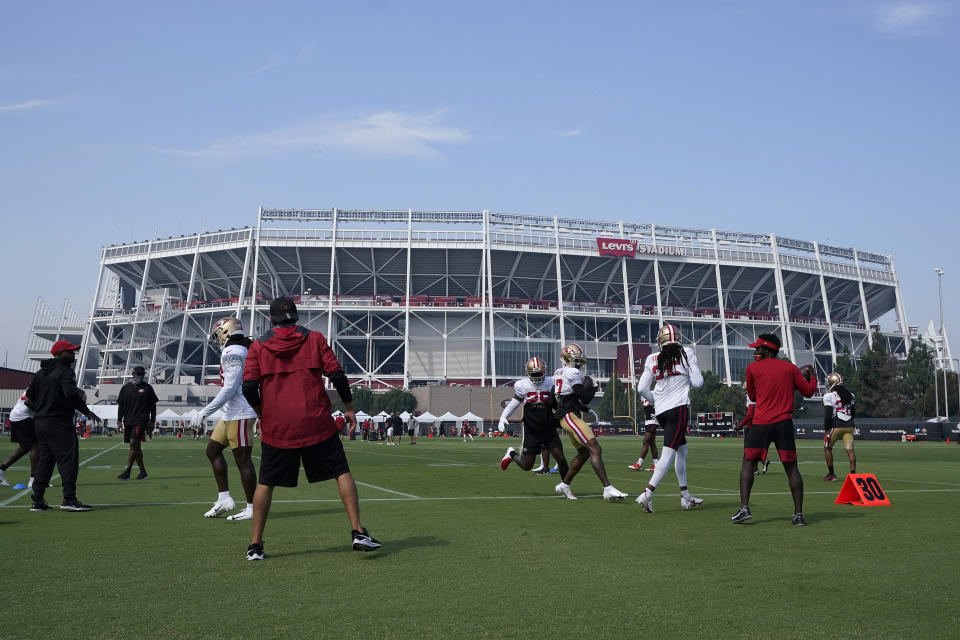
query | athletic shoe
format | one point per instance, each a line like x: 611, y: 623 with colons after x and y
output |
x: 645, y: 502
x: 653, y: 465
x: 363, y: 541
x: 507, y: 459
x: 635, y: 466
x: 125, y: 475
x: 799, y: 520
x: 555, y: 469
x: 540, y: 469
x: 766, y: 465
x: 75, y: 505
x: 691, y: 502
x: 220, y: 506
x: 40, y: 506
x: 756, y: 471
x: 542, y: 472
x: 142, y: 476
x: 742, y: 515
x: 255, y: 551
x: 3, y: 479
x: 610, y: 492
x: 563, y: 489
x: 830, y: 477
x: 245, y: 514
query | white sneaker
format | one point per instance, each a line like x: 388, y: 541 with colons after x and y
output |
x: 610, y: 492
x: 222, y: 505
x: 3, y: 479
x: 245, y: 514
x: 538, y: 469
x: 645, y: 502
x: 691, y: 502
x: 563, y: 489
x: 507, y: 459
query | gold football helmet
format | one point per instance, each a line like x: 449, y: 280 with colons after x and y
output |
x: 535, y: 370
x: 669, y: 334
x: 572, y: 355
x: 223, y: 329
x: 833, y: 380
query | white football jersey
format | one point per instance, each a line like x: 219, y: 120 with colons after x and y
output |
x: 672, y: 389
x: 528, y: 393
x: 841, y: 411
x: 20, y: 410
x: 230, y: 397
x: 564, y: 378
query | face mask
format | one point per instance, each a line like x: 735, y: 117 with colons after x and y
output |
x: 137, y: 379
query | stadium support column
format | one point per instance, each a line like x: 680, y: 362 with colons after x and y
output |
x: 151, y: 376
x: 406, y: 304
x: 136, y: 311
x: 863, y: 300
x: 330, y: 292
x: 782, y: 299
x: 626, y: 307
x: 722, y: 307
x: 901, y: 314
x: 826, y: 304
x: 656, y: 273
x: 491, y: 332
x: 483, y: 299
x: 556, y: 255
x: 243, y: 280
x: 186, y: 312
x: 88, y: 329
x: 256, y: 273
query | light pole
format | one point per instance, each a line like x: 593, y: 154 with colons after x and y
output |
x: 943, y: 344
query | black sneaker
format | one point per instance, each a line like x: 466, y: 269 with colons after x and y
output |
x: 74, y: 505
x: 742, y: 515
x: 143, y: 476
x: 124, y: 476
x: 255, y: 551
x: 799, y: 520
x: 830, y: 477
x: 363, y: 541
x: 40, y: 506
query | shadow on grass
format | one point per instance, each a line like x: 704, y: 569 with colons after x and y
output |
x: 813, y: 519
x: 389, y: 547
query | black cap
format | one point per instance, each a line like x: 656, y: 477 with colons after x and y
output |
x: 283, y: 310
x: 138, y: 370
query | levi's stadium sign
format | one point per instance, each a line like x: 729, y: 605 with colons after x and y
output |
x: 629, y: 248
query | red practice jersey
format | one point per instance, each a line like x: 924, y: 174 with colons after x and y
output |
x: 770, y: 383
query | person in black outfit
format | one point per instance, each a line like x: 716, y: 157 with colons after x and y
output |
x: 54, y: 397
x: 136, y: 411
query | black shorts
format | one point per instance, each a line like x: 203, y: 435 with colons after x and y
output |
x: 535, y: 439
x: 440, y: 430
x: 136, y: 432
x: 321, y: 461
x: 674, y: 423
x: 410, y: 432
x: 23, y: 432
x: 650, y: 427
x: 759, y: 437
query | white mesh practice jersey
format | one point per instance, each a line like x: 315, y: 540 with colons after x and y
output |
x: 528, y: 393
x: 230, y: 397
x: 564, y: 378
x: 20, y: 411
x: 841, y: 411
x: 672, y: 389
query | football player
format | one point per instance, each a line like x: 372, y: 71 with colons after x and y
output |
x: 649, y: 438
x: 745, y: 424
x: 238, y: 420
x: 574, y: 392
x: 535, y: 393
x: 838, y: 413
x: 671, y: 373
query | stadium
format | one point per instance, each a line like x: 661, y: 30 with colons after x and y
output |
x: 414, y: 298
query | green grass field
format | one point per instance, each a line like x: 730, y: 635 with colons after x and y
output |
x: 473, y: 551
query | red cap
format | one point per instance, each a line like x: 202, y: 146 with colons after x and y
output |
x: 764, y: 343
x: 63, y: 345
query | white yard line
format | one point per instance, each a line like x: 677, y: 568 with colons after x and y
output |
x: 17, y: 496
x: 399, y: 493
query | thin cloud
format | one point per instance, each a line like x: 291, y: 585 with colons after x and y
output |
x: 275, y: 61
x: 570, y: 133
x: 909, y: 18
x: 29, y: 104
x: 386, y: 133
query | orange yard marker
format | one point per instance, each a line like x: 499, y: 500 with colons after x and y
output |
x: 863, y: 490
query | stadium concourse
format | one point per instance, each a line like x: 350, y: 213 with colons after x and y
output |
x: 461, y: 300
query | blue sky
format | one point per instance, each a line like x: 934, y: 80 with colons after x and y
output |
x: 833, y: 121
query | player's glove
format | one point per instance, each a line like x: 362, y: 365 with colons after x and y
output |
x: 197, y: 420
x: 502, y: 426
x: 256, y: 428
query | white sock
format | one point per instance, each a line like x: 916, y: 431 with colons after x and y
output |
x: 223, y: 494
x: 680, y: 465
x: 639, y: 462
x: 662, y: 466
x: 655, y: 461
x: 686, y: 494
x: 249, y: 506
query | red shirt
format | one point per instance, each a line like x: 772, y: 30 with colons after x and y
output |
x: 289, y: 363
x: 770, y: 383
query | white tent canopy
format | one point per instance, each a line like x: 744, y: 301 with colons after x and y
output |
x: 426, y: 417
x: 106, y: 412
x: 405, y: 416
x: 168, y: 414
x: 471, y: 417
x: 380, y: 417
x: 448, y: 417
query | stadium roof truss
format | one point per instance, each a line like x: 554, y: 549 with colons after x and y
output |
x: 427, y: 297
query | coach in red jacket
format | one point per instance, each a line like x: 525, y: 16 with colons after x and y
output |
x: 283, y: 382
x: 770, y: 384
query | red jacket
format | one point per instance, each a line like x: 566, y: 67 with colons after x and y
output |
x: 770, y: 383
x: 289, y: 363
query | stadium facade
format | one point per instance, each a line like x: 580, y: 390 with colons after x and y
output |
x: 411, y: 298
